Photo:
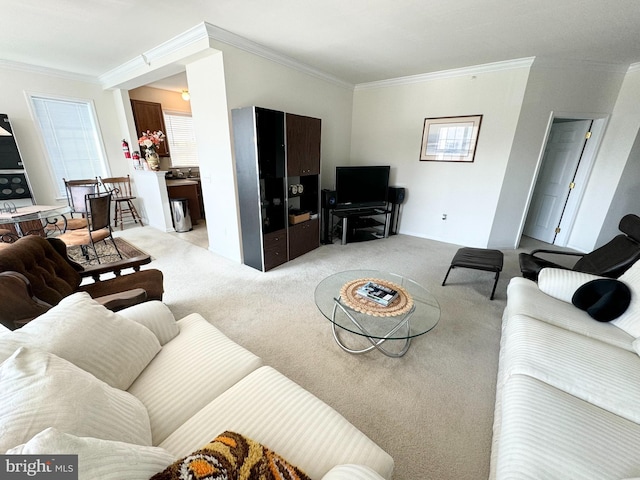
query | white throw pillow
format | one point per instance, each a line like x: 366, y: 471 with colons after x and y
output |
x: 87, y: 334
x: 40, y: 390
x: 99, y: 459
x: 3, y: 330
x: 156, y: 316
x: 562, y: 284
x: 629, y: 321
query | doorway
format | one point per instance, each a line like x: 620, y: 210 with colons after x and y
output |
x: 566, y: 162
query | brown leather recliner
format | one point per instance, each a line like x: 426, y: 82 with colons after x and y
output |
x: 36, y: 273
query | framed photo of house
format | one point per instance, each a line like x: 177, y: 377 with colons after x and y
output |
x: 450, y: 139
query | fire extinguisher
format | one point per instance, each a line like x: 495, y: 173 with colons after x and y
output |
x: 125, y: 149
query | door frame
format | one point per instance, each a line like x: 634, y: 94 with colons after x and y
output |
x: 583, y: 173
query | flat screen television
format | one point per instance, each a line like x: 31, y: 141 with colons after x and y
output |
x: 362, y: 187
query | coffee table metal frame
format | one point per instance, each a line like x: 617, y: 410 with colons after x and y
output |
x: 425, y: 312
x: 404, y: 321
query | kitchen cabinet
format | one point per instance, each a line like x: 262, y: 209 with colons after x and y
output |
x: 148, y: 116
x: 189, y: 189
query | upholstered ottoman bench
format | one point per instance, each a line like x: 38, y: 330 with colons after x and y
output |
x: 478, y: 259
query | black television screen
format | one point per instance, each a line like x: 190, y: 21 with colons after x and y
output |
x: 362, y: 186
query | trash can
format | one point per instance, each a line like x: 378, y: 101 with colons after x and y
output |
x: 180, y: 214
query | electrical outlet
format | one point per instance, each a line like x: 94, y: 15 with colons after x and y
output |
x: 444, y: 216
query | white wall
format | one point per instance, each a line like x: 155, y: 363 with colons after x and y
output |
x: 253, y: 80
x: 552, y: 87
x: 618, y: 165
x: 387, y: 129
x: 16, y: 84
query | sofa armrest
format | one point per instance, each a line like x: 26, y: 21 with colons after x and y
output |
x: 562, y: 284
x: 19, y: 304
x: 156, y: 316
x: 118, y: 301
x: 352, y: 472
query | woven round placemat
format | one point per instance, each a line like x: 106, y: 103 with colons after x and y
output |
x: 402, y: 304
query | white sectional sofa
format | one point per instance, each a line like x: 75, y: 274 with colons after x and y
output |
x: 132, y: 392
x: 568, y: 388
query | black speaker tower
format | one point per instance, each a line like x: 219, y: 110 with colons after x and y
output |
x: 395, y: 198
x: 328, y: 201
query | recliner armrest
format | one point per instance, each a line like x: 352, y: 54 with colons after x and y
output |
x: 556, y: 252
x: 19, y: 304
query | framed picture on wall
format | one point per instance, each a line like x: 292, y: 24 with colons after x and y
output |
x: 450, y: 139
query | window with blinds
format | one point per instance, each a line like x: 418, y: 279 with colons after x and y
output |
x: 71, y: 139
x: 182, y: 140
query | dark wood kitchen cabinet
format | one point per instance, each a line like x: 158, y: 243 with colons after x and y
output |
x: 148, y: 116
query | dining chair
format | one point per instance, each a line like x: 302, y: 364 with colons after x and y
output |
x: 98, y: 216
x: 120, y: 188
x: 76, y: 191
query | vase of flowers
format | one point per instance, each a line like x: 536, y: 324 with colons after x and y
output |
x: 150, y: 141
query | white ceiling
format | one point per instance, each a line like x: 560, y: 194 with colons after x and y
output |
x: 357, y: 41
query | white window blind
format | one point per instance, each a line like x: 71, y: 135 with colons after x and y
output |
x: 182, y: 140
x: 71, y: 138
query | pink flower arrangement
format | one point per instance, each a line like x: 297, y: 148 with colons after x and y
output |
x: 151, y: 139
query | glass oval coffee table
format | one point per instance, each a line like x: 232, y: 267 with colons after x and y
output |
x: 415, y: 311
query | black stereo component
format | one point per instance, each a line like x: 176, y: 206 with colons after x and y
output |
x: 396, y: 195
x: 328, y: 198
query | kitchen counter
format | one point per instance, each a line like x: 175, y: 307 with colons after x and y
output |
x: 174, y: 182
x: 188, y: 188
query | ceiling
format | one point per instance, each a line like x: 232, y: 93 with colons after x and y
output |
x: 358, y: 41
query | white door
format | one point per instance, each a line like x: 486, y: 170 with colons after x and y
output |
x: 559, y: 164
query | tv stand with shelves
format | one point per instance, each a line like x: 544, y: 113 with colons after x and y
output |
x: 362, y: 224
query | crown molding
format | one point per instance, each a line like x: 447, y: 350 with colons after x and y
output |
x: 229, y: 38
x: 562, y: 63
x: 52, y: 72
x: 205, y: 33
x: 456, y: 72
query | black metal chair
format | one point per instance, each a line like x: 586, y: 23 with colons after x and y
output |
x: 76, y: 191
x: 98, y: 208
x: 610, y: 260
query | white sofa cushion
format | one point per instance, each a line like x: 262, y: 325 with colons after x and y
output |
x: 352, y: 472
x: 525, y: 298
x: 40, y: 390
x: 271, y: 409
x: 190, y: 371
x: 562, y: 284
x: 552, y: 435
x: 596, y: 372
x: 82, y: 331
x: 156, y: 316
x: 629, y: 321
x: 97, y: 458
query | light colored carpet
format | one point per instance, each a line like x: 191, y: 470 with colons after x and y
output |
x: 432, y: 409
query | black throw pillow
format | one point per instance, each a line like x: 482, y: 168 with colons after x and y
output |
x: 604, y: 299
